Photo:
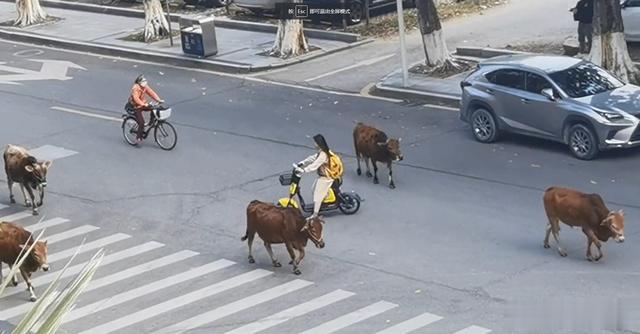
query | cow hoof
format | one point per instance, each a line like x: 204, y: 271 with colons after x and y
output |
x: 359, y: 171
x: 369, y: 174
x: 392, y: 186
x: 589, y: 258
x: 277, y: 264
x: 35, y: 213
x: 12, y: 201
x: 14, y: 283
x: 375, y: 180
x: 40, y: 204
x: 27, y: 204
x: 547, y: 246
x: 291, y: 262
x: 33, y: 299
x: 251, y: 260
x: 563, y: 253
x: 297, y: 271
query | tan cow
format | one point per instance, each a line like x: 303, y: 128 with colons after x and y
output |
x: 25, y: 170
x: 373, y: 144
x: 586, y: 211
x: 277, y: 225
x: 13, y: 239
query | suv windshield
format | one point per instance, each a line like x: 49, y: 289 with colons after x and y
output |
x: 585, y: 79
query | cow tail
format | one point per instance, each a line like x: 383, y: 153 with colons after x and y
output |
x: 355, y: 140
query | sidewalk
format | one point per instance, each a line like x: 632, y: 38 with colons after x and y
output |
x: 238, y: 49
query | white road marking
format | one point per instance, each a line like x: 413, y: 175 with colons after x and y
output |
x: 172, y: 304
x: 234, y: 307
x: 88, y: 114
x: 50, y: 152
x: 290, y: 313
x: 351, y: 318
x: 367, y: 62
x: 108, y: 259
x: 46, y: 224
x: 50, y: 70
x: 474, y: 330
x: 93, y: 245
x: 78, y: 231
x: 2, y: 206
x: 412, y: 324
x: 104, y: 281
x: 126, y: 296
x: 16, y: 216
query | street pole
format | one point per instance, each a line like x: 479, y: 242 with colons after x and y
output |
x: 169, y: 20
x: 366, y: 10
x: 403, y: 55
x: 344, y: 18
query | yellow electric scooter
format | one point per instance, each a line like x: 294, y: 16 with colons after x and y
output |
x: 347, y: 203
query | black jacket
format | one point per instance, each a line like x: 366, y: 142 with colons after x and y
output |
x: 584, y: 11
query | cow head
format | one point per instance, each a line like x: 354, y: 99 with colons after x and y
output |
x: 39, y: 172
x: 313, y: 228
x: 615, y: 223
x: 392, y: 146
x: 39, y: 254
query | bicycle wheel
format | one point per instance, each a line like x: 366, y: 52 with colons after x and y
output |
x: 165, y: 135
x: 130, y: 130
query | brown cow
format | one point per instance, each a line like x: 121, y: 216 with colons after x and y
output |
x: 371, y: 143
x: 14, y: 239
x: 277, y: 225
x: 587, y: 211
x: 24, y: 169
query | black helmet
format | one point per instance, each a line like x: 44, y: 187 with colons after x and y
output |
x: 140, y: 79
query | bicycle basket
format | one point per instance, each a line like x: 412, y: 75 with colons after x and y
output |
x: 163, y: 114
x: 285, y: 179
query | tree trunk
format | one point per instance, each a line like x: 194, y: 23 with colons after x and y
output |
x: 609, y: 48
x: 435, y: 48
x: 155, y: 22
x: 29, y: 12
x: 290, y: 40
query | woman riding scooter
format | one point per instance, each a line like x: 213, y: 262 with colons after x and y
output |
x: 320, y: 162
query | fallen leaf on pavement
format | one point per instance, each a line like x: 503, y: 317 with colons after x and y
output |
x: 418, y: 291
x: 335, y: 102
x: 372, y: 253
x: 593, y: 182
x: 535, y: 166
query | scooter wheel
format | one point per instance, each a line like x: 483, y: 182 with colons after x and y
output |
x: 349, y: 204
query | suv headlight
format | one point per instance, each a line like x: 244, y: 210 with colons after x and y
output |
x: 609, y: 115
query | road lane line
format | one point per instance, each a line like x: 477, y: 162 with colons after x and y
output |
x: 108, y: 280
x: 126, y: 296
x: 93, y: 245
x: 351, y: 318
x: 46, y: 224
x: 473, y: 330
x: 108, y: 259
x: 16, y: 216
x: 84, y: 229
x: 367, y: 62
x: 172, y: 304
x: 88, y: 114
x: 293, y: 312
x: 234, y: 307
x: 412, y: 324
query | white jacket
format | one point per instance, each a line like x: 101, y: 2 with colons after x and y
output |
x: 314, y: 162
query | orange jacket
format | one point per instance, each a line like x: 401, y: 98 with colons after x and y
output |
x: 138, y: 93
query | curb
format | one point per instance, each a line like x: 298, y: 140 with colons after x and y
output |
x: 480, y: 52
x: 409, y: 94
x: 157, y: 57
x: 219, y: 23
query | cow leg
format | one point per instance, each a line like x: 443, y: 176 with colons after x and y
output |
x: 250, y: 235
x: 301, y: 255
x: 14, y: 279
x: 275, y: 261
x: 359, y: 170
x: 375, y: 171
x: 33, y: 201
x: 27, y: 279
x: 10, y: 184
x: 592, y: 239
x: 366, y: 162
x: 391, y: 184
x: 292, y: 253
x: 555, y: 229
x: 41, y: 191
x: 24, y: 194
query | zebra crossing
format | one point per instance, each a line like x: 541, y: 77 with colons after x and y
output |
x: 97, y: 312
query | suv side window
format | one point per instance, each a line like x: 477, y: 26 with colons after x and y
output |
x: 508, y: 78
x: 633, y: 3
x: 536, y: 83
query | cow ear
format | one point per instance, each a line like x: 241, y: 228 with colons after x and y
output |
x: 45, y: 242
x: 29, y: 168
x: 621, y: 213
x: 47, y: 163
x: 605, y: 222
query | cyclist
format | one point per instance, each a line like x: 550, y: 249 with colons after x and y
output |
x: 138, y: 102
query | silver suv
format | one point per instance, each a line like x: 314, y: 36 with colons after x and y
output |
x: 554, y: 97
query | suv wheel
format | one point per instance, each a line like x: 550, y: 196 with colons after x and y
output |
x: 583, y: 142
x: 357, y: 12
x: 484, y: 126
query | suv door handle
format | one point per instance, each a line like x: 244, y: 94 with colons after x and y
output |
x: 525, y: 101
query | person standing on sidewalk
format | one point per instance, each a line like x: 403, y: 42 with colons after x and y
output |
x: 583, y: 13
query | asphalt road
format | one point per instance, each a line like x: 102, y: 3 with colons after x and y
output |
x: 460, y: 237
